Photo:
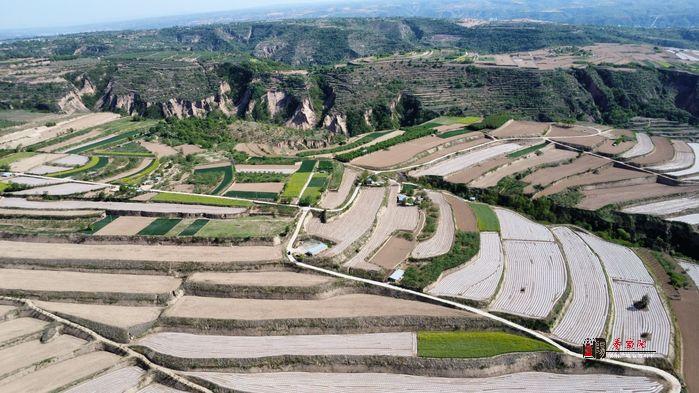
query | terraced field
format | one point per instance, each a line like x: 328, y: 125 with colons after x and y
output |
x: 440, y: 243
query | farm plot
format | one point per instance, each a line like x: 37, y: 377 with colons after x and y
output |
x: 580, y: 137
x: 393, y: 252
x: 334, y: 199
x: 34, y: 181
x: 48, y: 281
x: 118, y: 381
x: 589, y: 291
x: 107, y: 141
x: 350, y: 225
x: 245, y: 227
x: 46, y: 169
x: 49, y: 213
x: 23, y: 162
x: 392, y: 218
x: 691, y: 219
x: 598, y: 198
x: 58, y: 375
x: 224, y: 172
x: 692, y: 270
x: 546, y: 176
x: 258, y: 279
x: 514, y: 226
x: 463, y: 215
x: 601, y: 178
x: 125, y: 226
x: 160, y: 208
x: 535, y: 278
x: 285, y: 169
x: 315, y: 188
x: 343, y: 306
x: 651, y: 323
x: 158, y: 388
x: 549, y: 156
x: 443, y: 238
x: 663, y: 151
x: 27, y: 354
x: 520, y: 128
x: 60, y: 143
x: 533, y: 382
x: 140, y: 167
x: 18, y: 328
x: 466, y: 176
x: 193, y: 346
x: 274, y: 187
x: 62, y: 189
x: 694, y: 168
x: 443, y: 151
x: 477, y: 279
x: 159, y: 149
x: 618, y: 142
x: 662, y: 208
x: 175, y: 197
x: 293, y: 187
x: 401, y: 152
x: 643, y: 146
x: 159, y: 227
x: 620, y: 262
x: 486, y: 218
x: 139, y: 253
x: 466, y: 160
x: 683, y: 159
x: 71, y: 160
x: 93, y: 165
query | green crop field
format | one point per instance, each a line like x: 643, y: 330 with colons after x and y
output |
x: 293, y: 187
x: 9, y: 159
x: 136, y: 178
x: 199, y: 200
x: 194, y: 227
x: 526, y: 150
x: 94, y: 164
x: 245, y: 227
x: 316, y: 186
x: 336, y: 171
x: 96, y: 226
x: 307, y: 166
x: 259, y: 195
x: 159, y: 227
x: 226, y: 171
x: 475, y: 344
x: 450, y: 134
x: 3, y: 186
x: 107, y: 142
x: 465, y: 120
x: 487, y: 220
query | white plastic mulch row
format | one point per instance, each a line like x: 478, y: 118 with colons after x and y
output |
x: 692, y: 219
x: 440, y: 243
x: 694, y: 169
x: 665, y: 207
x: 589, y: 291
x: 514, y: 226
x: 62, y: 189
x: 194, y: 346
x: 165, y: 208
x: 683, y: 158
x: 651, y: 325
x: 157, y: 388
x: 466, y: 160
x: 692, y: 270
x: 34, y: 181
x: 643, y: 146
x: 46, y: 169
x: 71, y: 160
x: 118, y: 381
x: 535, y: 278
x: 620, y: 262
x: 380, y: 383
x: 477, y: 279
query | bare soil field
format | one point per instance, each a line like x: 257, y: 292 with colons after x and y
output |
x: 469, y: 159
x: 71, y: 160
x: 345, y: 306
x: 126, y: 225
x: 611, y: 148
x: 682, y: 159
x: 162, y: 208
x: 124, y: 317
x: 546, y: 176
x: 260, y: 279
x: 604, y: 175
x: 71, y: 141
x: 193, y: 346
x: 286, y: 169
x: 30, y: 353
x: 125, y: 379
x: 598, y: 198
x: 46, y: 169
x: 138, y: 168
x: 519, y: 128
x: 144, y: 197
x: 39, y: 134
x: 59, y: 375
x: 401, y: 152
x: 449, y: 150
x: 189, y: 149
x: 257, y: 187
x: 159, y: 149
x: 472, y: 173
x: 449, y: 127
x: 380, y: 139
x: 34, y: 281
x: 125, y: 252
x: 62, y: 189
x: 463, y: 215
x: 28, y: 163
x: 662, y: 152
x: 550, y: 155
x: 49, y: 213
x: 30, y: 181
x: 335, y: 199
x: 20, y: 327
x: 392, y: 253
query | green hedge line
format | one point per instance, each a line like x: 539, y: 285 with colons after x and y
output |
x: 365, y: 139
x: 261, y: 195
x: 410, y: 134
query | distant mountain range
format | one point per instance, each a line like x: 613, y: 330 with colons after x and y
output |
x: 640, y: 13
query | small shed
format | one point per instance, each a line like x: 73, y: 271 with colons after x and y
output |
x: 315, y: 249
x: 397, y: 275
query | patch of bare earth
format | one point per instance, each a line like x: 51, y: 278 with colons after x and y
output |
x: 49, y: 213
x: 393, y: 252
x: 257, y: 187
x: 118, y: 316
x: 449, y: 150
x: 125, y: 225
x: 71, y: 141
x: 548, y: 156
x: 662, y: 152
x: 401, y: 152
x: 546, y: 176
x: 472, y: 173
x: 610, y: 147
x: 598, y: 198
x: 520, y: 128
x: 463, y: 215
x: 159, y: 149
x: 619, y: 176
x: 333, y: 199
x: 260, y: 279
x: 189, y: 149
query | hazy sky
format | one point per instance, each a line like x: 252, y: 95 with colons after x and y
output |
x: 20, y: 14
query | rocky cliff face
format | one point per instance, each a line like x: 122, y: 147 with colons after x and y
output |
x: 335, y: 122
x: 304, y: 117
x: 71, y: 103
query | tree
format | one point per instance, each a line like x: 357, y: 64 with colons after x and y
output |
x: 641, y: 304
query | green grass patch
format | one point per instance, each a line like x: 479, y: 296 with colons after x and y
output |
x: 260, y: 177
x: 677, y: 279
x: 227, y: 172
x: 123, y: 153
x: 361, y: 141
x: 258, y: 195
x: 194, y: 227
x: 159, y: 227
x: 487, y: 220
x: 4, y: 186
x: 307, y: 166
x: 475, y: 344
x: 336, y: 171
x: 96, y: 226
x: 526, y: 150
x: 450, y: 134
x: 318, y: 184
x: 408, y: 188
x: 172, y: 197
x: 245, y: 227
x: 466, y: 246
x: 447, y: 120
x: 293, y: 187
x: 94, y: 164
x: 136, y: 178
x: 409, y: 134
x: 10, y: 158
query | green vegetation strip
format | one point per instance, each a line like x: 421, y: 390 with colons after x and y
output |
x: 316, y: 186
x: 465, y: 120
x: 487, y: 220
x: 9, y: 159
x: 450, y: 134
x: 466, y: 246
x: 96, y: 226
x: 123, y: 153
x: 171, y: 197
x: 94, y: 164
x: 227, y: 180
x: 194, y: 227
x: 363, y: 140
x: 336, y: 171
x: 107, y: 142
x: 307, y: 166
x: 259, y: 195
x: 159, y: 227
x: 245, y: 227
x: 137, y: 177
x: 475, y: 344
x: 292, y: 188
x: 4, y: 186
x: 410, y: 134
x: 526, y: 150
